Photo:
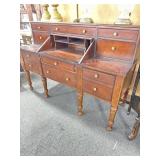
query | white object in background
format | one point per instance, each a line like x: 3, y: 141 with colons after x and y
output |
x: 125, y: 12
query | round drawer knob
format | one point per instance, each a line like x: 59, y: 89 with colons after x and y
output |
x: 27, y: 55
x: 40, y: 37
x: 55, y: 63
x: 84, y: 31
x: 94, y: 89
x: 38, y: 27
x: 30, y: 65
x: 57, y: 29
x: 115, y: 34
x: 48, y: 71
x: 113, y: 48
x: 96, y: 76
x: 67, y: 79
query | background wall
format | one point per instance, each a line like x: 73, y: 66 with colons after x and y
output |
x: 101, y: 13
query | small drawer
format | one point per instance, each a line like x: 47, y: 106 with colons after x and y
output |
x: 50, y: 72
x: 118, y: 34
x: 30, y: 57
x: 97, y: 90
x: 34, y: 67
x: 107, y: 79
x: 59, y: 28
x: 88, y: 31
x: 39, y: 37
x: 59, y: 64
x: 39, y: 27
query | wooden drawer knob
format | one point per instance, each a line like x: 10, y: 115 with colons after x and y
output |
x: 38, y: 27
x: 30, y: 65
x: 55, y: 63
x: 113, y: 48
x: 94, y: 89
x: 115, y: 34
x: 84, y: 31
x: 96, y: 76
x: 27, y: 56
x: 67, y: 79
x: 48, y: 71
x: 57, y: 29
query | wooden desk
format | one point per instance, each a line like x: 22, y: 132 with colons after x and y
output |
x: 96, y: 59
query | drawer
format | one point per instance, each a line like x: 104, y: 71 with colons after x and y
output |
x: 40, y: 27
x: 115, y: 49
x: 59, y: 75
x: 107, y: 79
x: 97, y: 90
x: 59, y: 64
x: 39, y: 37
x: 89, y: 31
x: 118, y: 33
x: 34, y: 67
x: 30, y: 57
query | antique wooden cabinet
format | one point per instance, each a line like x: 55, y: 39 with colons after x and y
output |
x: 95, y: 59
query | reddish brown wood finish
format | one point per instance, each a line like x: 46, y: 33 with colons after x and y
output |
x: 101, y: 69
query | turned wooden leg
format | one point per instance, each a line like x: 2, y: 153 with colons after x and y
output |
x: 112, y: 115
x: 80, y: 103
x: 29, y: 79
x: 44, y: 81
x: 135, y: 129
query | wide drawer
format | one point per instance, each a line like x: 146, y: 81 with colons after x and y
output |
x: 118, y: 33
x: 59, y: 64
x: 40, y: 27
x: 59, y: 75
x: 107, y: 79
x: 39, y: 37
x: 97, y: 89
x: 90, y: 31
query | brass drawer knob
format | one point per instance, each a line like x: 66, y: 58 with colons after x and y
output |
x: 67, y: 79
x: 96, y: 76
x: 115, y: 34
x: 30, y: 65
x: 40, y: 37
x: 55, y: 63
x: 57, y: 29
x: 48, y: 71
x: 84, y: 31
x: 113, y: 48
x: 94, y: 89
x: 38, y: 27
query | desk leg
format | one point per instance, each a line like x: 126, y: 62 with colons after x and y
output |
x: 44, y: 81
x: 80, y: 103
x: 29, y: 79
x: 115, y: 101
x: 135, y: 129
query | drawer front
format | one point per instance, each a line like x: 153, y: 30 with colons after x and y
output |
x: 97, y: 90
x: 59, y: 64
x: 59, y: 75
x: 118, y: 34
x: 39, y: 37
x: 107, y: 79
x: 83, y: 31
x: 34, y: 67
x: 116, y: 49
x: 40, y: 27
x: 89, y: 31
x: 30, y: 57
